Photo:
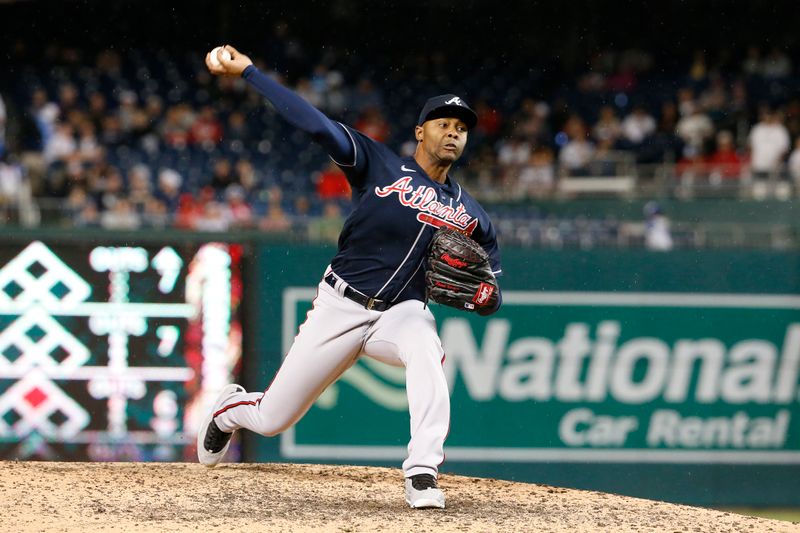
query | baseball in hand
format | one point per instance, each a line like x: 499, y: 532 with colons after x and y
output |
x: 225, y: 54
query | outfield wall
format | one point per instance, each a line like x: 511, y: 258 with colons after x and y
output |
x: 663, y: 375
x: 669, y: 376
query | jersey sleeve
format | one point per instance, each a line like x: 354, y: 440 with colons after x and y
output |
x: 488, y: 241
x: 299, y: 113
x: 364, y: 149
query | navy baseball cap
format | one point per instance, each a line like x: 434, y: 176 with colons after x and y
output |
x: 448, y: 105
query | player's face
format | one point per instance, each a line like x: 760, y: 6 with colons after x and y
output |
x: 443, y: 138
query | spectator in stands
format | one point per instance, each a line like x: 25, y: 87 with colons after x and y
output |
x: 206, y: 130
x: 275, y: 220
x: 237, y: 129
x: 724, y: 163
x: 537, y: 179
x: 139, y: 186
x: 769, y: 143
x: 61, y: 145
x: 608, y: 127
x: 112, y: 189
x: 121, y: 216
x: 169, y: 188
x: 213, y: 217
x: 776, y: 65
x: 578, y: 152
x: 513, y: 152
x: 490, y: 121
x: 174, y: 130
x: 372, y: 123
x: 637, y: 126
x: 128, y: 105
x: 89, y: 149
x: 112, y: 135
x: 331, y: 183
x: 155, y: 213
x: 695, y: 129
x: 239, y: 211
x: 327, y: 227
x: 45, y: 114
x: 11, y: 180
x: 76, y: 202
x: 97, y: 110
x: 67, y: 100
x: 222, y: 175
x: 752, y: 64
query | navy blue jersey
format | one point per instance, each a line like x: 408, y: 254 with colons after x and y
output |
x: 398, y: 207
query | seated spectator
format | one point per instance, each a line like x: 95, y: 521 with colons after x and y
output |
x: 372, y: 124
x: 213, y: 217
x: 490, y: 120
x: 694, y: 129
x: 169, y: 188
x: 239, y: 211
x: 608, y: 127
x: 637, y: 126
x: 121, y: 216
x: 576, y: 155
x: 139, y: 186
x: 536, y: 180
x: 275, y: 220
x: 513, y: 152
x: 331, y: 183
x: 174, y: 130
x: 237, y: 129
x: 222, y: 175
x: 724, y: 162
x: 327, y: 227
x: 61, y: 145
x: 89, y: 149
x: 249, y: 178
x: 206, y: 130
x: 155, y: 213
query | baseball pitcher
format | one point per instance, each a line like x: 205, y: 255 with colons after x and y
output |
x: 414, y: 235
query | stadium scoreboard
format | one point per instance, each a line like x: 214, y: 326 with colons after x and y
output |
x: 113, y: 352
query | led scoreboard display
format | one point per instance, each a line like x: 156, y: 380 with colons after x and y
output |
x: 114, y: 352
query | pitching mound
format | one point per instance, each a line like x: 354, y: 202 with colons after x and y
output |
x: 84, y: 497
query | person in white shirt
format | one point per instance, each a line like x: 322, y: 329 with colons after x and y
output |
x: 638, y: 125
x: 769, y: 143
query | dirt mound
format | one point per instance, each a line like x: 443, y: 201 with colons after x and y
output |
x: 85, y: 497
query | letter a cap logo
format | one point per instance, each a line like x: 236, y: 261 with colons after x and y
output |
x: 448, y: 106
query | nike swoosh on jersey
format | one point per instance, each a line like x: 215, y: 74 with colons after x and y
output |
x: 404, y: 169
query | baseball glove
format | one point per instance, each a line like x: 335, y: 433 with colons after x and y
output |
x: 459, y: 274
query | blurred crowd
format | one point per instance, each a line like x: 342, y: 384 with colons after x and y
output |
x: 134, y: 139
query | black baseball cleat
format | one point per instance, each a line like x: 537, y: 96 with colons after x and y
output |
x: 423, y: 492
x: 216, y: 439
x: 212, y: 442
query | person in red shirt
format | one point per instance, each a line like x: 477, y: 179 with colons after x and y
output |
x: 332, y: 183
x: 206, y: 129
x: 724, y: 163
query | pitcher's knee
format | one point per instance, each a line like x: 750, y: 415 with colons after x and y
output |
x: 270, y: 426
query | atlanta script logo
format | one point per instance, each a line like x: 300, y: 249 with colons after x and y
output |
x: 431, y: 211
